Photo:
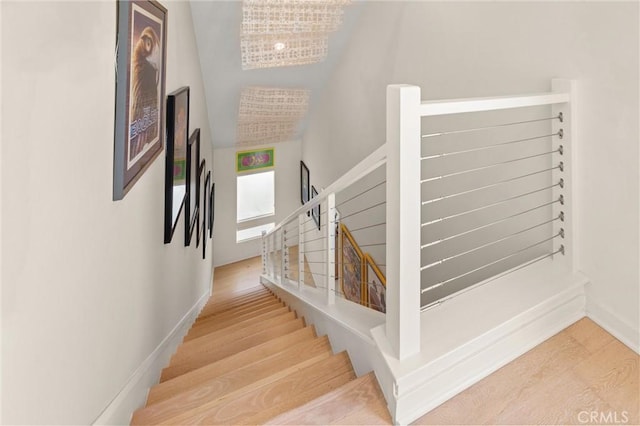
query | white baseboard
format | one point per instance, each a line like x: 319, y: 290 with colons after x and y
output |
x: 616, y: 326
x: 440, y: 380
x: 134, y: 394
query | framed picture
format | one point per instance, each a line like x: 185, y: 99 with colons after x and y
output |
x: 212, y: 204
x: 376, y: 288
x: 254, y: 160
x: 176, y: 159
x: 315, y: 212
x: 352, y: 265
x: 205, y: 217
x: 193, y: 190
x: 140, y: 91
x: 304, y: 183
x: 199, y: 186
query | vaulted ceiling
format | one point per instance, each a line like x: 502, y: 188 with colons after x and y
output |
x: 217, y: 26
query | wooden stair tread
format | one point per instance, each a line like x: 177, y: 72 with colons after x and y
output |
x: 208, y: 319
x: 238, y: 381
x: 228, y: 306
x: 245, y: 312
x: 210, y: 327
x: 222, y: 337
x: 342, y: 402
x: 222, y: 305
x: 291, y: 389
x: 218, y: 297
x: 198, y: 359
x: 184, y: 382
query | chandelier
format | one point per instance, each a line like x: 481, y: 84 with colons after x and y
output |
x: 278, y: 33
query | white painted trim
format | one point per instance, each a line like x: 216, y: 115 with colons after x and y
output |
x: 431, y: 385
x: 616, y: 326
x: 134, y: 393
x: 457, y: 106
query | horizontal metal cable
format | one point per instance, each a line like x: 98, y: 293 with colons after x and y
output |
x: 361, y: 193
x: 363, y: 210
x: 315, y: 239
x: 373, y: 245
x: 496, y: 145
x: 506, y: 200
x: 524, y: 265
x: 366, y: 227
x: 559, y: 150
x: 314, y: 251
x: 502, y: 182
x: 441, y: 283
x: 480, y: 247
x: 451, y: 237
x: 495, y: 126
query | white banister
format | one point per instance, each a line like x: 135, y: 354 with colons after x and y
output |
x: 331, y: 248
x: 457, y: 106
x: 374, y: 160
x: 568, y: 174
x: 300, y: 251
x: 403, y: 219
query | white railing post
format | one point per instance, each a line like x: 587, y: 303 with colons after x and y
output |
x: 567, y: 174
x: 264, y: 253
x: 301, y: 251
x: 403, y: 219
x: 285, y: 253
x: 331, y: 248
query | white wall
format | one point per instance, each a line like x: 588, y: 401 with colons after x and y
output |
x: 287, y: 188
x: 466, y: 49
x: 89, y: 290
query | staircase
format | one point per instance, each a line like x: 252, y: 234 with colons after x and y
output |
x: 248, y: 359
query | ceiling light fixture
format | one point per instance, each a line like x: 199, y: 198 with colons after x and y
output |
x: 278, y: 33
x: 270, y: 114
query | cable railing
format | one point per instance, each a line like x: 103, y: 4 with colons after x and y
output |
x: 463, y: 193
x: 335, y: 244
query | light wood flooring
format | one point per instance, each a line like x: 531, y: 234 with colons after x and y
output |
x: 582, y: 375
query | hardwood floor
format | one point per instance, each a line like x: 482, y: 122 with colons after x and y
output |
x: 582, y: 375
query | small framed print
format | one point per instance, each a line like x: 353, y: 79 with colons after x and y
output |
x: 199, y: 186
x: 376, y: 285
x: 315, y: 212
x: 205, y: 213
x: 304, y: 183
x: 212, y: 205
x: 193, y: 190
x: 351, y: 262
x: 176, y: 159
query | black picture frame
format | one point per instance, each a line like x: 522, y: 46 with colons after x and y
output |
x: 205, y: 212
x: 304, y: 183
x: 192, y: 199
x: 199, y: 186
x: 140, y: 91
x: 212, y: 205
x: 315, y: 212
x: 175, y: 159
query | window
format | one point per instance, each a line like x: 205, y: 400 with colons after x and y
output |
x: 255, y: 204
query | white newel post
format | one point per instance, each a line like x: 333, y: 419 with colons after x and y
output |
x: 331, y: 248
x: 301, y: 251
x: 403, y: 219
x: 285, y: 253
x: 264, y: 253
x: 567, y: 174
